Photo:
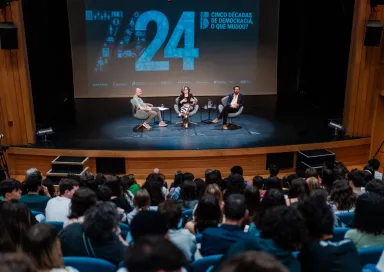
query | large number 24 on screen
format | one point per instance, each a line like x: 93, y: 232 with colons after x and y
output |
x: 185, y: 25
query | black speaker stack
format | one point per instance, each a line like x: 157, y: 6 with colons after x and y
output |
x: 8, y: 36
x: 374, y: 28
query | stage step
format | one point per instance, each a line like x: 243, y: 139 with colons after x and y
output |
x: 63, y: 166
x: 314, y: 159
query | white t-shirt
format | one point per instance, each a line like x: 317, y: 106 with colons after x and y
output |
x: 234, y: 100
x: 57, y: 209
x: 378, y: 175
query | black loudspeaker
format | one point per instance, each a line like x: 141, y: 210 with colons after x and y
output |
x: 377, y: 2
x: 8, y: 36
x: 373, y: 31
x: 281, y: 160
x: 113, y: 166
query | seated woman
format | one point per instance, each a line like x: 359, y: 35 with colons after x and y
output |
x: 186, y: 104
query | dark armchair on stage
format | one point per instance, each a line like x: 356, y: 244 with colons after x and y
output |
x: 224, y: 101
x: 191, y: 113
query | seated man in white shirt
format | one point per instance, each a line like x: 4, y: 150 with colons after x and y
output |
x: 58, y: 208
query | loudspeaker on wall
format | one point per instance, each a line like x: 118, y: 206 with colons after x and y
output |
x: 373, y: 31
x: 8, y: 36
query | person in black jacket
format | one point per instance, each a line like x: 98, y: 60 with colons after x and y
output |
x: 234, y: 103
x: 186, y: 104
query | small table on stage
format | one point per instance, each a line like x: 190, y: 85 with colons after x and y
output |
x: 209, y: 120
x: 162, y: 110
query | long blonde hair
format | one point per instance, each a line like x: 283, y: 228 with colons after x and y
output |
x: 213, y: 189
x: 313, y: 183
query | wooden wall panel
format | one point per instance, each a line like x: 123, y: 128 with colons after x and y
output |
x: 15, y: 89
x: 363, y: 73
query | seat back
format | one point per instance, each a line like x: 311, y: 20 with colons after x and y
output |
x: 58, y: 225
x: 187, y: 213
x: 205, y: 263
x: 34, y: 213
x: 338, y: 234
x: 87, y: 264
x: 133, y: 107
x: 124, y: 227
x: 346, y: 218
x: 224, y: 100
x: 370, y: 255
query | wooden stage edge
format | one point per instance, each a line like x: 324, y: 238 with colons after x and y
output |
x: 141, y: 163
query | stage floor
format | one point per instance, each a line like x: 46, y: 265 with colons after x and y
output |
x: 106, y: 124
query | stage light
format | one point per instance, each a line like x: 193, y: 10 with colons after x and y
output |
x: 337, y: 127
x: 1, y: 136
x: 43, y: 133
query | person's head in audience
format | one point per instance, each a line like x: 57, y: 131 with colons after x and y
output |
x: 299, y: 189
x: 342, y: 196
x: 369, y: 172
x: 67, y: 187
x: 235, y: 210
x: 252, y: 200
x: 369, y: 214
x: 287, y: 180
x: 16, y: 262
x: 237, y: 170
x: 255, y: 261
x: 156, y: 171
x: 258, y: 182
x: 178, y: 180
x: 311, y: 172
x: 34, y: 182
x: 272, y: 198
x: 100, y: 179
x: 200, y: 187
x: 88, y: 180
x: 207, y: 172
x: 208, y: 213
x: 313, y: 183
x: 188, y: 191
x: 343, y: 168
x: 42, y: 244
x: 10, y: 189
x: 318, y: 217
x: 15, y: 221
x: 338, y: 173
x: 375, y: 186
x: 115, y: 184
x: 154, y: 186
x: 104, y: 193
x: 171, y: 209
x: 356, y: 179
x: 148, y: 223
x: 128, y: 180
x: 273, y: 170
x: 319, y: 193
x: 327, y: 179
x: 101, y: 221
x: 30, y: 171
x: 213, y: 189
x: 188, y: 177
x: 154, y: 254
x: 236, y: 185
x: 273, y: 183
x: 92, y: 185
x: 50, y: 187
x: 375, y: 164
x: 214, y: 177
x: 81, y: 201
x: 285, y: 226
x: 142, y: 200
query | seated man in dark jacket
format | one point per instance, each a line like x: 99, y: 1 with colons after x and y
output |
x: 96, y: 237
x: 219, y: 240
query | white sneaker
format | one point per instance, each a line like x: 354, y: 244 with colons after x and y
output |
x: 145, y: 125
x: 162, y: 124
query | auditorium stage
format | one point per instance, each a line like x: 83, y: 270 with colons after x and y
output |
x: 106, y: 124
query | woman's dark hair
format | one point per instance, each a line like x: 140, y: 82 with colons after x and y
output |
x: 104, y: 193
x: 369, y: 172
x: 188, y: 191
x: 81, y: 201
x: 311, y: 172
x: 115, y: 184
x: 189, y: 90
x: 178, y: 180
x: 327, y: 179
x: 154, y: 186
x: 319, y: 193
x: 188, y: 177
x: 258, y: 181
x: 200, y: 188
x: 299, y: 189
x: 343, y: 196
x: 208, y: 213
x: 375, y: 186
x: 339, y: 173
x: 128, y: 180
x: 101, y: 220
x: 252, y: 199
x: 285, y: 226
x: 100, y: 179
x: 236, y: 185
x: 287, y: 180
x: 213, y: 177
x: 51, y: 188
x: 41, y: 243
x: 369, y: 214
x: 11, y: 262
x: 142, y: 200
x: 15, y: 221
x: 272, y: 198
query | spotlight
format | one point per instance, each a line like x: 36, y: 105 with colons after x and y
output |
x: 43, y: 134
x: 1, y: 136
x: 337, y: 127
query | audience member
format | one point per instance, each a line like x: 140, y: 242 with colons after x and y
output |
x: 200, y: 188
x: 219, y: 239
x: 50, y: 186
x: 213, y: 189
x: 141, y: 202
x: 15, y: 221
x: 271, y: 199
x: 188, y: 198
x: 182, y: 238
x: 148, y: 223
x: 174, y: 192
x: 368, y: 221
x: 253, y: 261
x: 236, y: 185
x: 154, y: 253
x: 375, y: 186
x: 311, y: 173
x: 313, y: 183
x: 327, y: 179
x: 154, y: 186
x: 214, y: 178
x: 252, y: 200
x: 98, y: 235
x: 58, y: 208
x: 42, y: 244
x: 356, y: 180
x: 120, y: 196
x: 369, y: 172
x: 342, y: 198
x: 104, y: 193
x: 320, y: 254
x: 273, y: 183
x: 287, y: 180
x: 339, y: 173
x: 10, y: 189
x: 33, y: 199
x: 299, y: 191
x: 131, y: 183
x: 375, y: 164
x: 81, y: 201
x: 100, y: 179
x: 207, y: 214
x: 12, y: 262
